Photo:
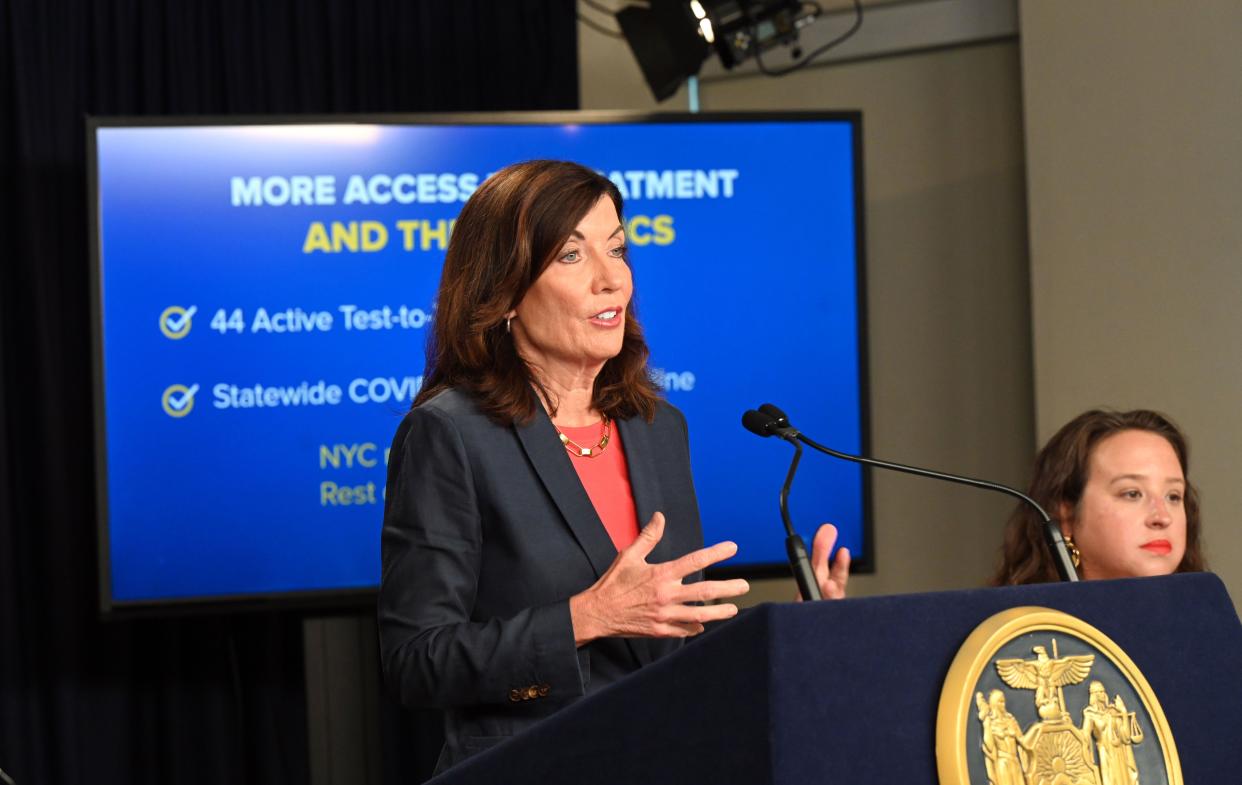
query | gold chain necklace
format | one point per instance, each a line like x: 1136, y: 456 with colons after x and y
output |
x: 578, y: 450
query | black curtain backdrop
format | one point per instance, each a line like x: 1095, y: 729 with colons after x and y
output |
x: 210, y: 699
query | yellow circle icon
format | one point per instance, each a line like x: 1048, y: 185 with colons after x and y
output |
x: 178, y: 400
x: 175, y: 321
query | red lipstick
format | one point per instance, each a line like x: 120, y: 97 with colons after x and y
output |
x: 1158, y: 547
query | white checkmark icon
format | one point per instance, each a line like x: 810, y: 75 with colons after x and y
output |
x: 175, y: 322
x: 179, y: 402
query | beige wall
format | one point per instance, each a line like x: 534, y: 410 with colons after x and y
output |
x: 947, y: 277
x: 1133, y: 111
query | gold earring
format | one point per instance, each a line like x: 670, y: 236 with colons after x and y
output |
x: 1075, y: 554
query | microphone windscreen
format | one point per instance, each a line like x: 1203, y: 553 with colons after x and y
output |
x: 757, y: 423
x: 775, y: 413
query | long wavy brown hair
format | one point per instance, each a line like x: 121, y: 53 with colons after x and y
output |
x: 507, y: 234
x: 1059, y: 478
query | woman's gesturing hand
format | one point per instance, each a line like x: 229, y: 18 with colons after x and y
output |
x: 831, y: 579
x: 635, y: 599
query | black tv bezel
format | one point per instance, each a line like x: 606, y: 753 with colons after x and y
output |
x: 328, y: 600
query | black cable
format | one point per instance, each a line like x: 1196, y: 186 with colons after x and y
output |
x: 789, y: 477
x: 795, y: 547
x: 1052, y: 534
x: 858, y: 17
x: 598, y: 27
x: 901, y: 467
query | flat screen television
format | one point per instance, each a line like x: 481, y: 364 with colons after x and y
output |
x: 264, y: 290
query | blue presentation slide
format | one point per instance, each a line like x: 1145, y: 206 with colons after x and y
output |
x: 266, y: 292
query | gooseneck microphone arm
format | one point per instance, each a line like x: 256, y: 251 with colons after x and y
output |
x: 795, y: 547
x: 789, y: 476
x: 778, y: 425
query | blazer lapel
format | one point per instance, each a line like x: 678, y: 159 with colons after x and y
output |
x: 640, y: 458
x: 551, y: 462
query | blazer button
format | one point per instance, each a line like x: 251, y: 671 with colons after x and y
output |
x: 532, y: 692
x: 543, y: 690
x: 516, y: 695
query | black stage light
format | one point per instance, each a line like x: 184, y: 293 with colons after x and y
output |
x: 666, y: 42
x: 671, y: 38
x: 742, y: 28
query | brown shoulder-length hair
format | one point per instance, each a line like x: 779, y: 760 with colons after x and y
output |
x: 1059, y: 478
x: 507, y: 234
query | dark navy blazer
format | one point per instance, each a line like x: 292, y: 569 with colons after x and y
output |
x: 487, y: 534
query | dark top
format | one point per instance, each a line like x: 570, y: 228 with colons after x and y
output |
x: 487, y: 534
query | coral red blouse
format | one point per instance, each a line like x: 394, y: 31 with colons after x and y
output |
x: 606, y: 478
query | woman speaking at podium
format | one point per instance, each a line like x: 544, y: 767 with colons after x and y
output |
x: 1118, y: 483
x: 516, y: 578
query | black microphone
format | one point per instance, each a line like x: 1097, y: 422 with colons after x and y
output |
x: 764, y: 424
x: 760, y: 423
x: 779, y: 420
x: 779, y: 424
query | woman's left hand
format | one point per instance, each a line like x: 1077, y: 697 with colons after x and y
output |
x: 831, y: 579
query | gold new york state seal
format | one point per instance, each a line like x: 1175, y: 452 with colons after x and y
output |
x: 1039, y: 697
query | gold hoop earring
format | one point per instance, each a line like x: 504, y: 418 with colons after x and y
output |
x: 1075, y: 554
